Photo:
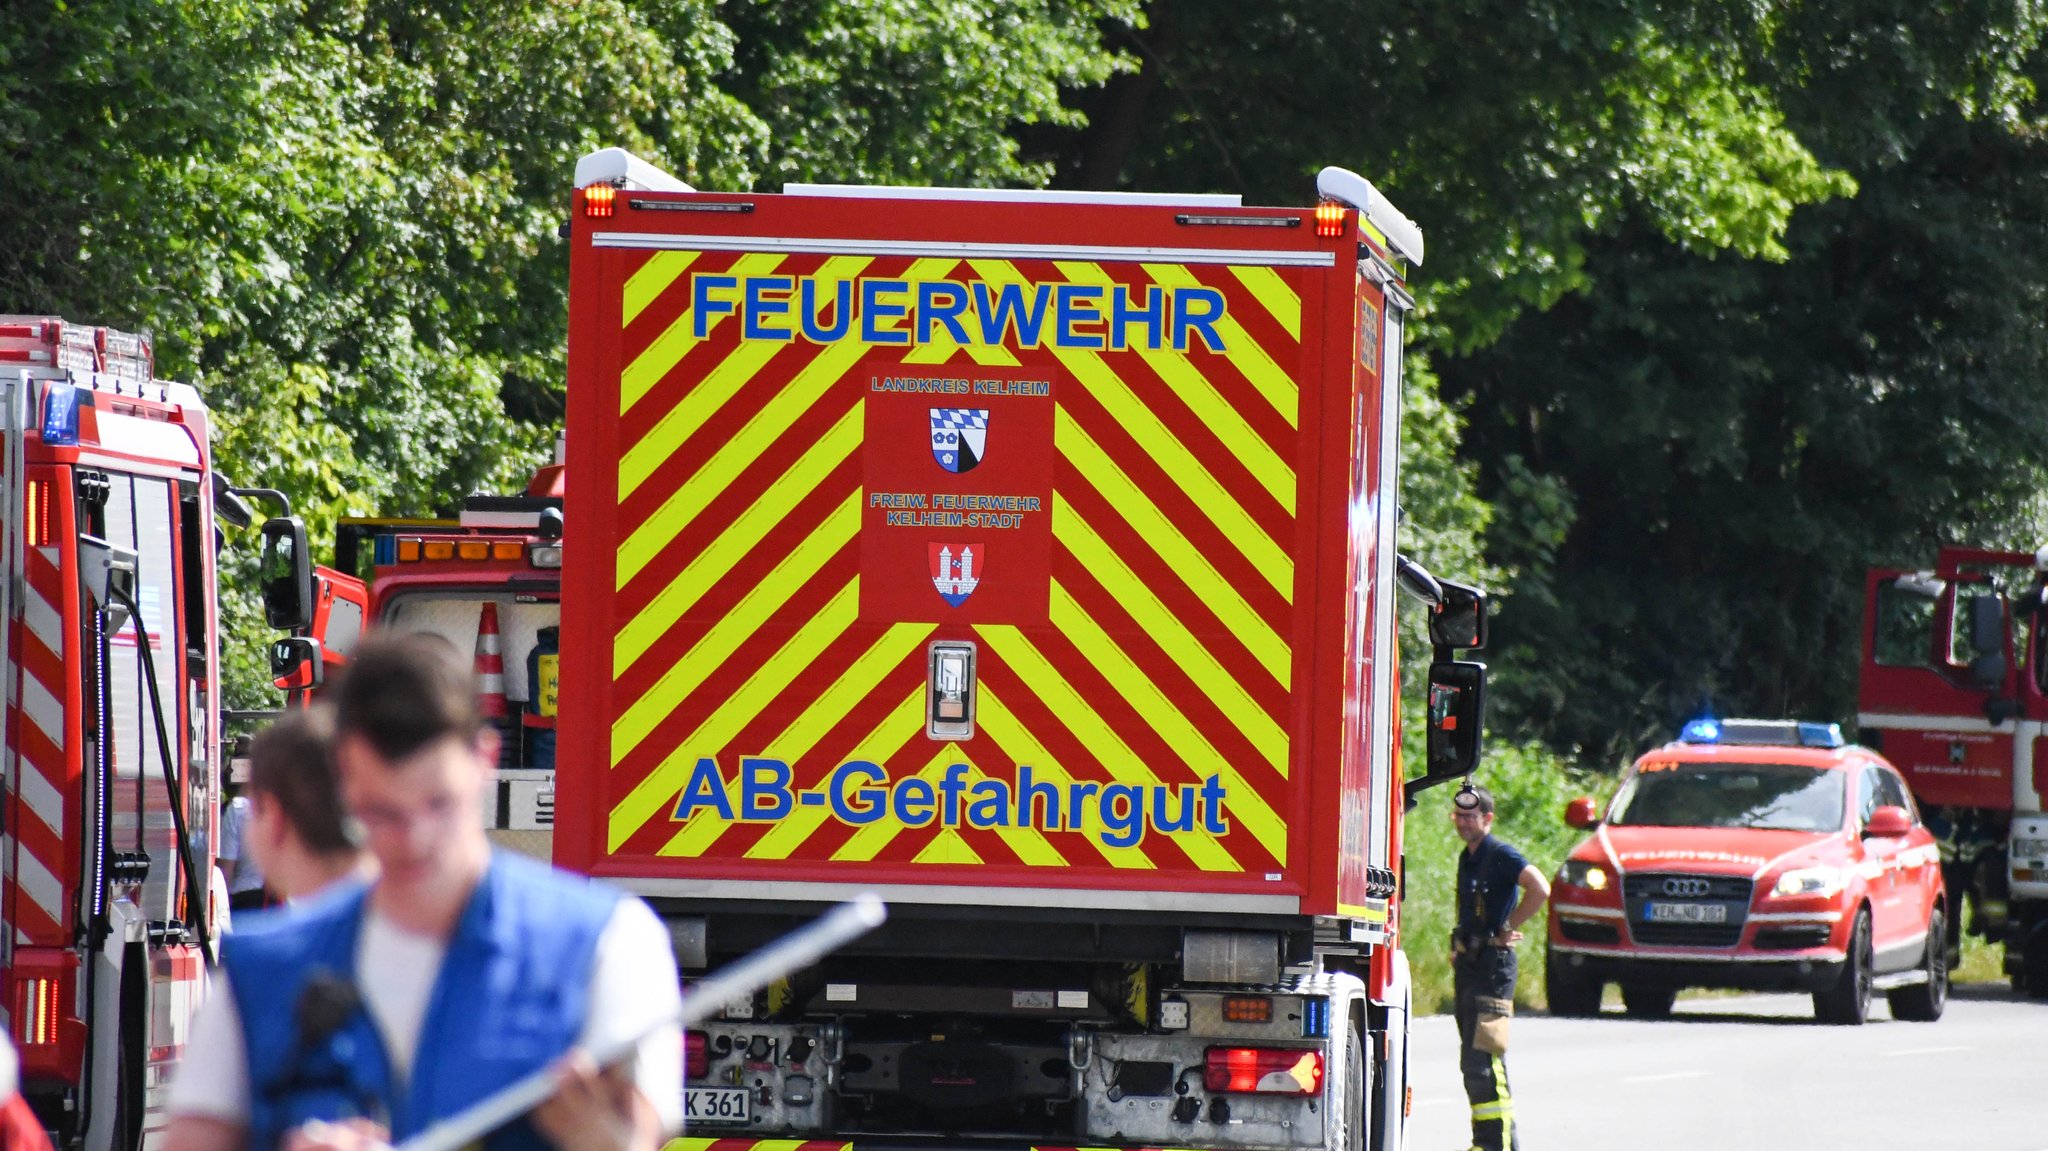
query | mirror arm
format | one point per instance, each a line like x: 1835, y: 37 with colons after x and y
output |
x: 272, y: 494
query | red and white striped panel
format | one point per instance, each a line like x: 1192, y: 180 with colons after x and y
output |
x: 40, y: 912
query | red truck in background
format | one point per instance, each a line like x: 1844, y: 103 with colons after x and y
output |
x: 110, y: 655
x: 1954, y: 690
x: 488, y: 581
x: 1029, y: 559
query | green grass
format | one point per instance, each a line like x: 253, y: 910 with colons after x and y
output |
x: 1983, y: 962
x: 1530, y: 789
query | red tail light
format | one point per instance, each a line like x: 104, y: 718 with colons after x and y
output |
x: 696, y: 1054
x: 1264, y: 1070
x: 1329, y: 218
x: 598, y: 200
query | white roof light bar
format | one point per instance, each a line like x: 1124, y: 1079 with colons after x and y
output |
x: 1348, y: 187
x: 622, y: 169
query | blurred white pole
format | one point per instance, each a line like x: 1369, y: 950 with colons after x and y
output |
x: 793, y: 952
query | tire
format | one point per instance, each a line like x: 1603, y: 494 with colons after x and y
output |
x: 2032, y: 981
x: 1358, y: 1107
x: 1923, y: 1002
x: 1648, y: 1001
x: 1570, y: 996
x: 1847, y: 1003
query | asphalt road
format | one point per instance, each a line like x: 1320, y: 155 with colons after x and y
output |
x: 1756, y: 1071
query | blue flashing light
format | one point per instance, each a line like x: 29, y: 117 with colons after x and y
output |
x: 384, y: 550
x: 1820, y: 735
x: 60, y: 416
x: 1315, y: 1019
x: 1701, y: 731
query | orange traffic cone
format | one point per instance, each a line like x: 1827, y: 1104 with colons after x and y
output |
x: 490, y: 665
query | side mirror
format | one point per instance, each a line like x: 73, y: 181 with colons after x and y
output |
x: 1888, y: 822
x: 1581, y: 813
x: 286, y: 574
x: 1457, y: 709
x: 1459, y: 621
x: 295, y: 663
x: 1987, y: 623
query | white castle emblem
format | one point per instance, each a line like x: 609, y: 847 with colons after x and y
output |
x: 954, y: 577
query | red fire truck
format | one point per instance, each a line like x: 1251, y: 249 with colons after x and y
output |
x: 1954, y: 690
x: 110, y: 654
x: 1029, y: 559
x: 488, y: 581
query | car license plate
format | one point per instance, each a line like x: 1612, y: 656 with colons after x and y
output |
x: 717, y: 1105
x: 1686, y: 912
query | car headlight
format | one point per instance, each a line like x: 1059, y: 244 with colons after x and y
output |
x: 2029, y: 848
x: 1579, y: 873
x: 1809, y: 881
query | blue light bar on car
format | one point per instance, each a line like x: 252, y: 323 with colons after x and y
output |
x: 1820, y: 735
x: 1701, y: 731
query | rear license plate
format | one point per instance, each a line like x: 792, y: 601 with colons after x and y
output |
x: 717, y: 1105
x: 1686, y: 913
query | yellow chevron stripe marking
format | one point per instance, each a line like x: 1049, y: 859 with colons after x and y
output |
x: 725, y: 636
x: 773, y: 677
x: 646, y: 285
x: 1209, y: 406
x: 947, y: 847
x: 1173, y: 457
x: 739, y: 538
x: 646, y: 541
x: 1269, y: 378
x: 1172, y: 636
x: 999, y: 723
x: 669, y: 348
x: 1183, y: 557
x: 1031, y: 666
x: 723, y: 382
x: 1272, y: 292
x: 1246, y: 803
x: 904, y: 723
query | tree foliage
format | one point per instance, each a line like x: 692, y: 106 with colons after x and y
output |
x: 1709, y: 452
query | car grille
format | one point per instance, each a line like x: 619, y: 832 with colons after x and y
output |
x: 1671, y: 887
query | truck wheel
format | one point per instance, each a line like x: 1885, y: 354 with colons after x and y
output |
x: 1357, y: 1107
x: 1848, y: 1001
x: 2032, y: 978
x: 1644, y: 1001
x: 1923, y: 1002
x: 1570, y: 996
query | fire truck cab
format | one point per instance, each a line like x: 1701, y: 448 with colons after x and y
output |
x: 488, y: 581
x: 109, y: 650
x: 1954, y: 689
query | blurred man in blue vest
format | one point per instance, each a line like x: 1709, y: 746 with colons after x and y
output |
x: 366, y: 1015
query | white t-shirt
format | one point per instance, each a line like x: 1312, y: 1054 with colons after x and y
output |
x: 633, y: 980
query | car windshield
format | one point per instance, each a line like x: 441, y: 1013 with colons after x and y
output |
x: 1770, y: 796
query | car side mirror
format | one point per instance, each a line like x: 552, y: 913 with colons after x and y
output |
x: 286, y: 574
x: 1581, y: 813
x: 1888, y: 822
x: 1459, y: 621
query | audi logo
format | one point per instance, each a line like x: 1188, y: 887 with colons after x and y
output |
x: 1686, y: 886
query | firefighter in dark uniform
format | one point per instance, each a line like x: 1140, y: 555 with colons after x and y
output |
x: 1498, y: 892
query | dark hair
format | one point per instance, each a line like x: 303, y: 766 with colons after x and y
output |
x: 292, y: 762
x: 403, y: 692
